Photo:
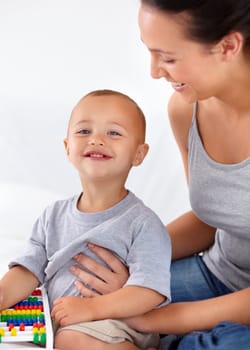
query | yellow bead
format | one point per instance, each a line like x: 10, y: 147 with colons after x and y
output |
x: 13, y: 332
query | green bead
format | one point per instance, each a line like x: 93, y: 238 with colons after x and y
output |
x: 36, y: 338
x: 43, y: 338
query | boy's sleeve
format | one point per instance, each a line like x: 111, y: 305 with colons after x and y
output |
x: 149, y: 258
x: 34, y: 257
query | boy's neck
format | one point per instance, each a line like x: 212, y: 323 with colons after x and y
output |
x: 95, y: 199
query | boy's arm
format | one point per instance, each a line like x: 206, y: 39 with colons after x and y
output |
x: 125, y: 302
x: 16, y: 285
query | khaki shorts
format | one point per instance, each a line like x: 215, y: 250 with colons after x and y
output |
x: 113, y: 331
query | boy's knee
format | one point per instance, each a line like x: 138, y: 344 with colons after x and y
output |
x: 64, y: 340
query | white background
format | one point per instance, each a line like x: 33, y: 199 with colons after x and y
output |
x: 52, y: 52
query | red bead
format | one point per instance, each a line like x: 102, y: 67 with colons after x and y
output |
x: 22, y: 327
x: 11, y: 325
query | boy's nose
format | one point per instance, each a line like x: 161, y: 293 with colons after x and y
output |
x: 96, y: 140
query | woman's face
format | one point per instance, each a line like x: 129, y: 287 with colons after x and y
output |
x: 192, y: 68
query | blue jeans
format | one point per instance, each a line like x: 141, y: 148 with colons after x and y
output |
x: 191, y: 280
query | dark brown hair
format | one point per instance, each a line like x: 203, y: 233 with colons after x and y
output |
x: 208, y: 21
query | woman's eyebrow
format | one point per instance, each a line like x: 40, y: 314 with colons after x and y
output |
x: 159, y: 50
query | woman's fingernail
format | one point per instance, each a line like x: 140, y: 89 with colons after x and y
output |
x: 77, y: 284
x: 91, y: 245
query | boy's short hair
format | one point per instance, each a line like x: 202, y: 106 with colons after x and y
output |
x: 118, y: 93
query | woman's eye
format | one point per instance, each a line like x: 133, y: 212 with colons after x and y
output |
x: 169, y: 61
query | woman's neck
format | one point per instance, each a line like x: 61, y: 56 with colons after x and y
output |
x: 234, y: 92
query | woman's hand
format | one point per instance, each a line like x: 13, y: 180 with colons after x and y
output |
x: 107, y: 280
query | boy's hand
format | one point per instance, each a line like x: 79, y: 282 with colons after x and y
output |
x: 68, y: 310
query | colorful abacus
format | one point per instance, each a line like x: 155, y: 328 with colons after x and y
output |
x: 28, y: 321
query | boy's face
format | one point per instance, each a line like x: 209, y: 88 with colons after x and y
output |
x: 105, y: 137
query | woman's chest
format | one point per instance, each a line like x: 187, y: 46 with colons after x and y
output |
x: 225, y: 139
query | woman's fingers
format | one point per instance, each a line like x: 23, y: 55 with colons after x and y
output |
x: 109, y: 258
x: 91, y: 265
x: 116, y: 266
x: 94, y: 283
x: 86, y: 292
x: 102, y: 279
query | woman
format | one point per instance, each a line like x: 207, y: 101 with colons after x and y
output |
x: 202, y: 48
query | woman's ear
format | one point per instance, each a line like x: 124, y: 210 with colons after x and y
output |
x: 140, y: 154
x: 231, y: 45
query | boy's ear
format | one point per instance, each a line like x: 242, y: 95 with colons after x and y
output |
x: 231, y: 45
x: 66, y: 146
x: 140, y: 154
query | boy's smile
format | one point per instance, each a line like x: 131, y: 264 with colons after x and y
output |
x: 95, y: 155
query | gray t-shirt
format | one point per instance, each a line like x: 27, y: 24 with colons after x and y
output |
x: 129, y: 229
x: 220, y: 196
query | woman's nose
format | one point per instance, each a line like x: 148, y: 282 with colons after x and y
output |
x: 156, y: 70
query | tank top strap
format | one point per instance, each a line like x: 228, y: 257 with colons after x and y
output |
x: 194, y: 117
x: 193, y: 126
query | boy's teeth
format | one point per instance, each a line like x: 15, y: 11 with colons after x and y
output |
x: 96, y: 155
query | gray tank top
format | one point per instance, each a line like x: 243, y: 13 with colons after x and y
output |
x: 220, y: 196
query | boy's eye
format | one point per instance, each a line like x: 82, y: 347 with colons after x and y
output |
x: 114, y: 133
x: 83, y: 131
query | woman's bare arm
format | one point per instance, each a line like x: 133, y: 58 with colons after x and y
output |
x: 186, y: 317
x: 189, y: 235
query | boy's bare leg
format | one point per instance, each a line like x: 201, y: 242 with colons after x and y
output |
x: 72, y: 340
